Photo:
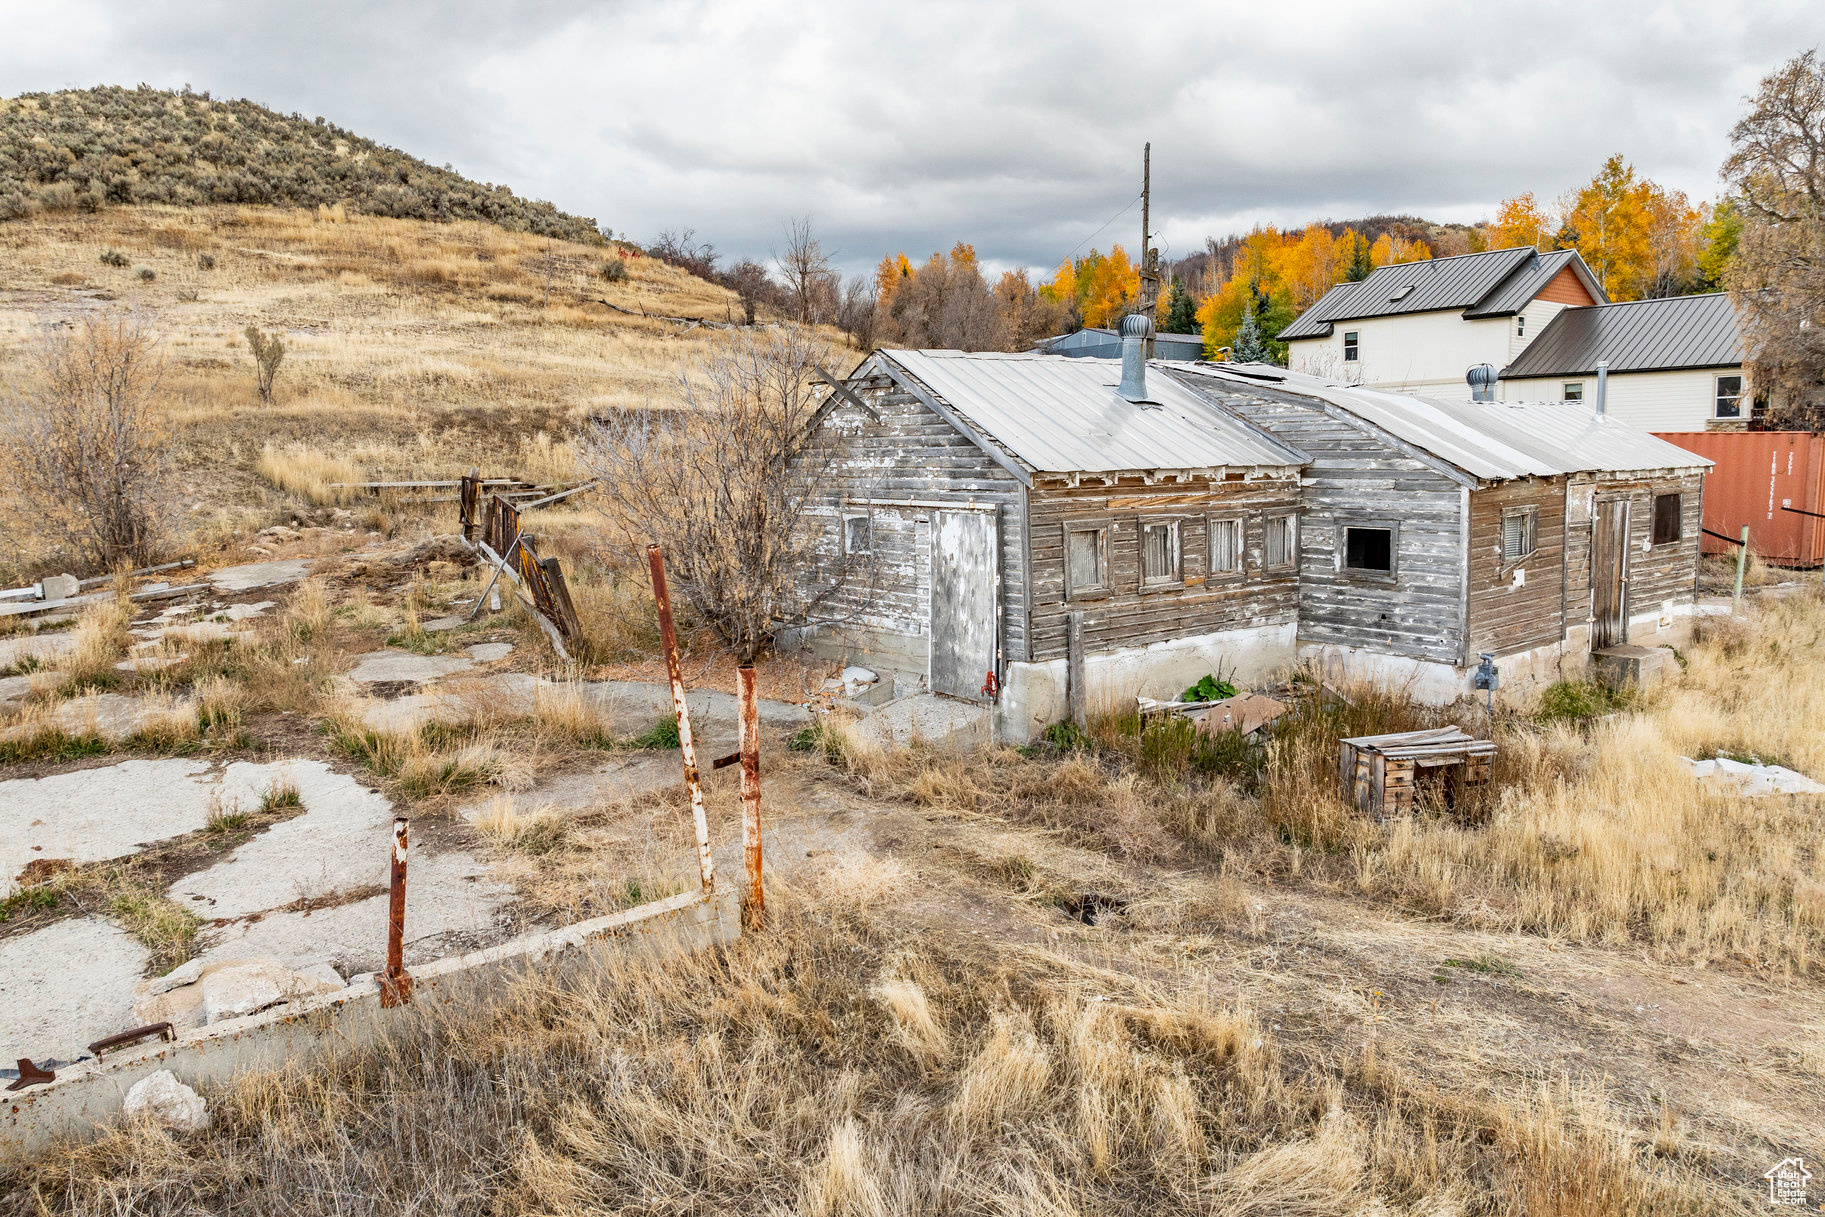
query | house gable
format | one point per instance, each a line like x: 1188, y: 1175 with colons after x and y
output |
x: 1565, y: 288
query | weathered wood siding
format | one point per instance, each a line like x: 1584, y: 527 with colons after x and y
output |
x: 1357, y: 477
x: 912, y: 453
x: 1510, y: 614
x: 1126, y: 616
x: 1656, y: 573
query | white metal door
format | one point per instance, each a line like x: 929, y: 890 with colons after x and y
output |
x: 965, y: 576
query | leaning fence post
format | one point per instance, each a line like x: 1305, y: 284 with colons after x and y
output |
x: 750, y: 789
x: 395, y: 983
x: 662, y: 599
x: 1742, y: 560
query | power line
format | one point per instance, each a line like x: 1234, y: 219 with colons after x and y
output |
x: 1112, y: 219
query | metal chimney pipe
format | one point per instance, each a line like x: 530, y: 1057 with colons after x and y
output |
x: 1603, y: 386
x: 1135, y: 329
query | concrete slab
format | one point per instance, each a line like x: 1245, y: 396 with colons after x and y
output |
x: 17, y: 688
x: 451, y: 906
x: 927, y: 718
x: 1628, y: 664
x: 488, y: 652
x: 439, y: 624
x: 340, y: 843
x: 34, y: 646
x: 96, y: 814
x: 405, y: 666
x: 1752, y: 781
x: 510, y: 694
x: 65, y: 986
x: 259, y: 574
x: 112, y: 716
x: 577, y: 793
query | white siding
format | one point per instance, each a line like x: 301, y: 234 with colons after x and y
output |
x: 1652, y: 401
x: 1420, y: 352
x: 1538, y: 313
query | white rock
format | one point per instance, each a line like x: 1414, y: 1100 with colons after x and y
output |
x: 250, y: 987
x: 176, y: 978
x: 325, y: 973
x: 167, y: 1100
x: 1752, y: 781
x: 853, y: 675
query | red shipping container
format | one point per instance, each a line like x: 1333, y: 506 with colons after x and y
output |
x: 1757, y: 476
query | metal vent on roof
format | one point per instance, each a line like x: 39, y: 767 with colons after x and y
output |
x: 1401, y: 293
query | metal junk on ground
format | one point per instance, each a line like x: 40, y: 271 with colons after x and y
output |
x: 395, y: 982
x: 662, y: 599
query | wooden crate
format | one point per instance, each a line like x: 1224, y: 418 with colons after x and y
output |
x: 1378, y: 774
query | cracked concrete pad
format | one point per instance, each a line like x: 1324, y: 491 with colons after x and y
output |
x: 451, y: 907
x: 509, y: 695
x: 488, y: 652
x: 404, y: 665
x: 65, y: 986
x: 575, y: 793
x: 928, y: 718
x: 17, y: 688
x: 259, y: 574
x: 96, y: 814
x: 35, y: 646
x: 437, y: 624
x: 252, y: 986
x: 339, y: 844
x: 111, y: 715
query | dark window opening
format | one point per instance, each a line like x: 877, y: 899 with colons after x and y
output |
x: 1729, y: 397
x: 858, y: 535
x: 1574, y: 390
x: 1370, y: 549
x: 1667, y: 528
x: 1350, y: 346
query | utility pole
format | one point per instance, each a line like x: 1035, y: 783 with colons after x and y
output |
x: 1149, y: 265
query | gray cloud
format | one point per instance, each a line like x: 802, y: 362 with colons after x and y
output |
x: 1016, y: 126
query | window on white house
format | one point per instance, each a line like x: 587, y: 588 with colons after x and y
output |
x: 1350, y: 346
x: 1225, y: 547
x: 1520, y: 325
x: 1159, y: 553
x: 1368, y: 550
x: 1279, y: 541
x: 1574, y: 390
x: 1086, y: 561
x: 858, y: 535
x: 1517, y: 534
x: 1729, y: 397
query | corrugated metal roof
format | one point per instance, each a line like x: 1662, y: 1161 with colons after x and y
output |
x: 1439, y: 283
x: 1107, y: 344
x: 1636, y: 336
x: 1521, y: 287
x: 1061, y: 415
x: 1492, y: 441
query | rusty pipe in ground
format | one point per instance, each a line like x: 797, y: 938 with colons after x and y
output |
x: 395, y: 982
x: 662, y: 599
x: 749, y: 715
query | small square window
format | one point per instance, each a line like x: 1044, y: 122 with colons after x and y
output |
x: 1667, y: 525
x: 1159, y: 553
x: 1350, y: 346
x: 1225, y: 547
x: 1729, y: 397
x: 1086, y: 561
x: 1574, y: 390
x: 1279, y: 541
x: 858, y: 534
x: 1517, y: 534
x: 1369, y: 550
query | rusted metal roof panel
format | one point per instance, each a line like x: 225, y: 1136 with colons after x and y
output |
x: 1493, y: 441
x: 1061, y: 415
x: 1635, y: 336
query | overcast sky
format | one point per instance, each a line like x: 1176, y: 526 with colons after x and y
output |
x: 1015, y: 126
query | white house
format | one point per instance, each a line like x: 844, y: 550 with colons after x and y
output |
x: 1675, y: 365
x: 1421, y: 326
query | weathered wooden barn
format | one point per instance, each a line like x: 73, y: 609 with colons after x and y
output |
x: 1012, y: 519
x: 1436, y: 531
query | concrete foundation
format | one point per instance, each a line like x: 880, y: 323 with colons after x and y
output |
x: 1033, y: 696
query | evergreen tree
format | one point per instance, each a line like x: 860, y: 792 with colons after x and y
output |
x: 1249, y: 348
x: 1182, y: 314
x: 1360, y: 264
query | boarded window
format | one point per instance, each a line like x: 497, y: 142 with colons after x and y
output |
x: 1159, y: 553
x: 1278, y: 541
x: 1574, y: 390
x: 1225, y: 547
x: 1517, y: 534
x: 858, y: 534
x: 1369, y: 549
x: 1086, y: 560
x: 1729, y: 397
x: 1350, y: 346
x: 1667, y: 529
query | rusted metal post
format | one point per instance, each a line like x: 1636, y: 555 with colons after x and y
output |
x: 706, y: 866
x: 750, y: 790
x: 395, y: 983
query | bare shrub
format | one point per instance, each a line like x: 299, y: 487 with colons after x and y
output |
x: 268, y: 353
x: 804, y: 268
x: 748, y: 280
x: 83, y: 448
x: 727, y: 484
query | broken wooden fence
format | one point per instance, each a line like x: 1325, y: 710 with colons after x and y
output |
x: 540, y: 581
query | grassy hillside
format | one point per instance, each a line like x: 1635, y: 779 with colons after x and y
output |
x: 91, y: 148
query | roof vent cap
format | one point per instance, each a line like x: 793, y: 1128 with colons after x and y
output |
x: 1482, y: 382
x: 1135, y: 330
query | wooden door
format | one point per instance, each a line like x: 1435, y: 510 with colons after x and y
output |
x: 965, y: 579
x: 1609, y: 573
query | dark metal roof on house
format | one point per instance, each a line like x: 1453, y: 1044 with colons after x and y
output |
x: 1490, y: 284
x: 1636, y: 336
